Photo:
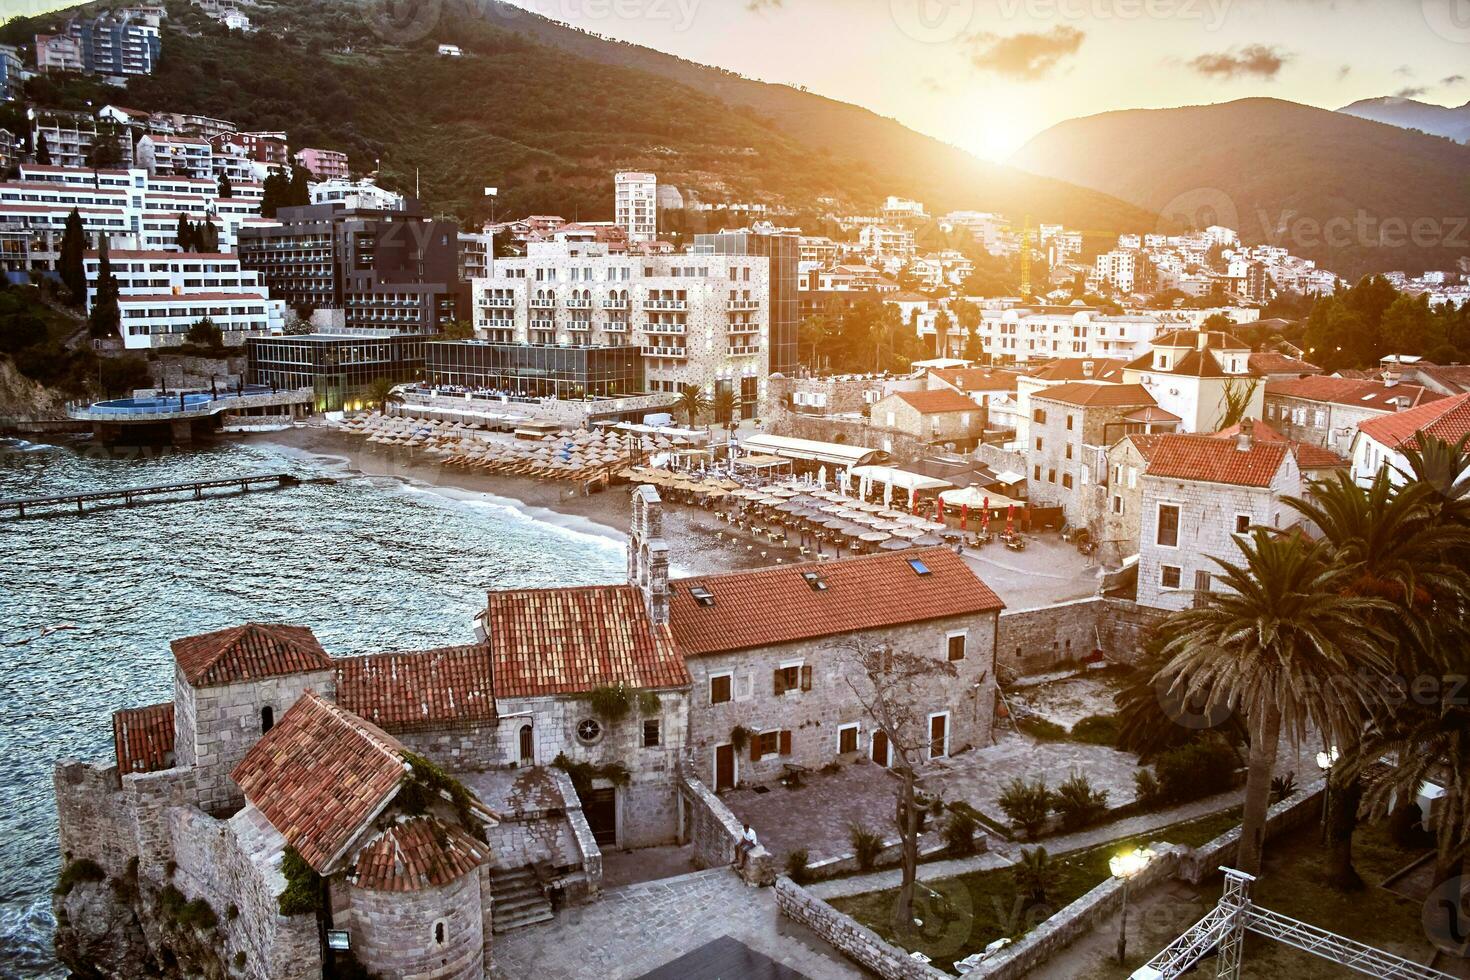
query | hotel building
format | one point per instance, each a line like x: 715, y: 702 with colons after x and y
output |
x: 637, y: 205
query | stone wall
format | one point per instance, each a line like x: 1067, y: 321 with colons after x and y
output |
x: 1033, y: 641
x: 707, y: 823
x: 813, y: 718
x: 1000, y: 459
x: 1301, y: 808
x: 94, y: 823
x: 903, y: 447
x: 433, y: 933
x: 192, y: 371
x: 848, y: 936
x: 457, y: 748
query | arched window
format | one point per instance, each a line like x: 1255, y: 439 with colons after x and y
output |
x: 439, y: 933
x: 528, y: 746
x: 267, y: 719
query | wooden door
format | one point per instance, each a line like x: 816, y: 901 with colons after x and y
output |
x: 880, y: 747
x: 724, y: 767
x: 600, y: 807
x: 938, y: 735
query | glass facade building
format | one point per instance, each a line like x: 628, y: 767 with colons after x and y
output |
x: 534, y: 370
x: 337, y: 367
x: 784, y: 252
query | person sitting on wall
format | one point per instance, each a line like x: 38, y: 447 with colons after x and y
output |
x: 747, y: 843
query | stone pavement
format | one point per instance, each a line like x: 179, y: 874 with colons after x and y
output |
x: 817, y: 816
x: 646, y: 864
x: 634, y: 930
x: 1047, y: 572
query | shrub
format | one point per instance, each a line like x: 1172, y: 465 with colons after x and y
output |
x: 1034, y: 875
x: 1027, y: 805
x: 1282, y: 787
x: 1201, y: 768
x: 1096, y: 730
x: 649, y: 702
x: 611, y: 702
x: 1047, y: 731
x: 240, y: 960
x: 797, y: 867
x: 959, y: 833
x: 866, y: 845
x: 303, y: 894
x: 232, y: 912
x: 1406, y: 827
x: 76, y: 872
x: 739, y: 738
x: 1079, y: 804
x: 1146, y: 787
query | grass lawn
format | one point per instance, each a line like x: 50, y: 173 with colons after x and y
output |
x: 961, y: 915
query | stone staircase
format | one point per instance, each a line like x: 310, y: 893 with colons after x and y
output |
x: 518, y: 899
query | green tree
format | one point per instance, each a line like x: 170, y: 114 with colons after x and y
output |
x: 725, y: 406
x: 226, y: 188
x: 184, y: 232
x: 942, y: 325
x: 1278, y: 633
x: 106, y: 153
x: 43, y: 151
x: 205, y: 333
x: 458, y: 330
x: 1026, y: 804
x: 1034, y: 876
x: 105, y: 319
x: 73, y: 258
x: 380, y: 394
x: 1409, y: 328
x: 692, y: 403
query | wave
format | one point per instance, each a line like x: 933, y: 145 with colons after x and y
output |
x: 25, y: 942
x: 571, y: 525
x: 22, y: 446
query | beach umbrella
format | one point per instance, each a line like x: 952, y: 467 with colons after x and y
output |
x: 928, y: 541
x: 888, y: 494
x: 913, y: 503
x: 965, y: 516
x: 907, y: 533
x: 771, y: 501
x: 895, y: 544
x: 834, y: 525
x: 855, y: 530
x: 822, y: 475
x: 874, y: 537
x: 939, y: 510
x: 891, y: 527
x: 985, y: 517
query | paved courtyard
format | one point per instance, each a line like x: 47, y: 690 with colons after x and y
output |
x: 1065, y: 698
x: 818, y: 815
x: 636, y: 929
x: 1047, y: 572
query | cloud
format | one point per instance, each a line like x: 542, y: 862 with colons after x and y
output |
x: 1263, y: 61
x: 1344, y: 72
x: 932, y: 85
x: 1024, y: 56
x: 1404, y: 70
x: 1452, y: 80
x: 1412, y: 92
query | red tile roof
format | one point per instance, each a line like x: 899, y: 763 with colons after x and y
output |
x: 1151, y: 414
x: 563, y: 641
x: 1213, y: 340
x: 144, y: 738
x: 1351, y: 392
x: 1075, y: 369
x: 1096, y: 395
x: 1210, y: 460
x: 936, y: 402
x: 1271, y: 362
x: 249, y: 652
x: 320, y: 775
x: 977, y: 379
x: 1309, y: 456
x: 776, y: 605
x: 1447, y: 419
x: 417, y: 853
x: 1195, y: 364
x: 402, y: 692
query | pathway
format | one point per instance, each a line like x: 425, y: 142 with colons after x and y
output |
x: 636, y: 929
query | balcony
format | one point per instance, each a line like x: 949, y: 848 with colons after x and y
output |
x: 743, y: 351
x: 671, y: 328
x: 615, y: 326
x: 543, y: 303
x: 743, y: 328
x: 579, y: 304
x: 500, y: 302
x: 740, y: 305
x: 615, y: 304
x: 548, y: 325
x: 671, y: 353
x: 497, y: 323
x: 666, y: 304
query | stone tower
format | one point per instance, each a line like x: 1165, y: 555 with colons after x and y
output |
x: 648, y: 554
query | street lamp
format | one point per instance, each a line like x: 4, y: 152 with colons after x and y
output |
x: 1124, y: 867
x: 1325, y: 761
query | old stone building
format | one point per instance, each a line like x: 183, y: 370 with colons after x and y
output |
x: 1328, y: 411
x: 940, y: 417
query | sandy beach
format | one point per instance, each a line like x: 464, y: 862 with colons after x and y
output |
x: 694, y: 535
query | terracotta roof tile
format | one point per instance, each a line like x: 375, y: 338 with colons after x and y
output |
x: 402, y: 692
x: 1195, y: 364
x: 1214, y: 340
x: 1447, y: 419
x: 936, y: 402
x: 1352, y: 392
x: 777, y: 605
x: 1096, y: 395
x: 320, y: 775
x: 144, y: 738
x: 1206, y: 459
x: 977, y: 379
x: 249, y: 652
x: 562, y: 641
x: 417, y: 853
x: 1076, y: 369
x: 1271, y: 362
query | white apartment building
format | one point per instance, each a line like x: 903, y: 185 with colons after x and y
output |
x: 164, y: 319
x: 637, y: 205
x: 1193, y: 374
x: 902, y: 209
x: 816, y: 252
x: 1030, y: 333
x: 699, y: 319
x: 176, y: 156
x: 940, y: 269
x: 356, y: 194
x: 151, y: 273
x: 888, y: 248
x: 1380, y: 442
x: 1119, y: 268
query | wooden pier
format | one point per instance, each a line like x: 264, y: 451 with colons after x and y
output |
x: 126, y: 497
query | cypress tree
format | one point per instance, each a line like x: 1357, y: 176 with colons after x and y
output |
x: 185, y: 234
x: 299, y: 194
x: 73, y: 258
x: 106, y: 318
x: 226, y: 189
x: 43, y: 151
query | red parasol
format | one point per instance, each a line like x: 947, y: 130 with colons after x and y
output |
x: 965, y: 516
x: 939, y: 510
x: 913, y: 502
x: 985, y: 517
x: 1010, y: 518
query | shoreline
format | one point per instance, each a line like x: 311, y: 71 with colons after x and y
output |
x: 691, y: 532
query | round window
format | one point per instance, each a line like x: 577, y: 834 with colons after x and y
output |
x: 589, y: 730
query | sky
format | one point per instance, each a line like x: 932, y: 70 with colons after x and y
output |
x: 987, y: 75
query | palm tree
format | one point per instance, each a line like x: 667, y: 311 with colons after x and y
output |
x: 724, y: 407
x: 692, y: 402
x: 380, y: 393
x: 1271, y: 644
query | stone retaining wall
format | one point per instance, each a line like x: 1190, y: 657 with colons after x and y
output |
x: 707, y: 823
x: 1033, y: 641
x: 848, y: 936
x: 1297, y: 810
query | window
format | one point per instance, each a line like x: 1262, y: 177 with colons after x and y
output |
x: 1117, y: 504
x: 440, y: 932
x: 267, y: 719
x: 918, y: 566
x: 1169, y: 576
x: 1036, y: 473
x: 1201, y: 588
x: 1067, y: 480
x: 769, y: 743
x: 1038, y: 444
x: 589, y: 730
x: 1039, y: 415
x: 1069, y: 423
x: 847, y: 739
x: 792, y: 677
x: 1242, y: 523
x: 1168, y: 532
x: 1069, y: 450
x: 956, y: 646
x: 719, y: 688
x: 527, y: 746
x: 1051, y: 476
x: 651, y: 733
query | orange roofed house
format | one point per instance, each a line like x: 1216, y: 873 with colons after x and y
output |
x: 940, y: 416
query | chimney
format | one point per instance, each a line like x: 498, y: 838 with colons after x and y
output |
x: 1391, y: 378
x: 1247, y: 435
x: 1087, y: 369
x: 1202, y: 340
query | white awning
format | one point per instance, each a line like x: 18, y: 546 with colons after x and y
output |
x: 835, y: 453
x: 902, y: 479
x: 1009, y: 476
x: 975, y: 498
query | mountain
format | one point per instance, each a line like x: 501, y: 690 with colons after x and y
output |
x: 1448, y: 121
x: 1357, y: 196
x: 546, y: 113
